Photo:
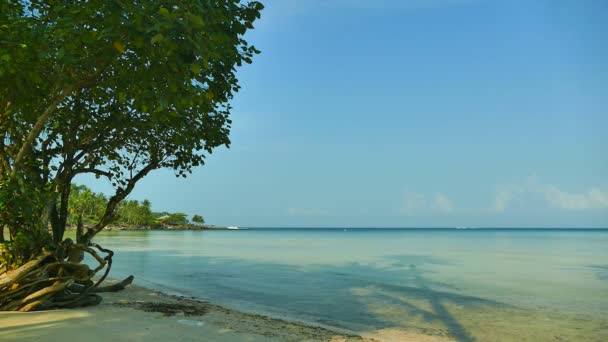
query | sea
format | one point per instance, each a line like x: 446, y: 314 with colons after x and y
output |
x: 460, y: 284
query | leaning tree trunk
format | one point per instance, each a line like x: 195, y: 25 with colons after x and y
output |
x: 50, y: 280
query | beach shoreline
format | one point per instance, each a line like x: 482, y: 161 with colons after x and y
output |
x: 141, y: 314
x: 138, y: 313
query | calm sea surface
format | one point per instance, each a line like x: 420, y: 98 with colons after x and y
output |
x: 484, y: 285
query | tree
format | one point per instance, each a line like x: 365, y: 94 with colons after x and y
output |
x: 85, y: 205
x: 134, y: 213
x: 174, y: 219
x: 198, y: 219
x: 114, y: 89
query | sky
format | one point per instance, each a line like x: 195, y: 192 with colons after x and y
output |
x: 412, y: 113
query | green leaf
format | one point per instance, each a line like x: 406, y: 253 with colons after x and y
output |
x: 157, y: 38
x: 87, y: 38
x: 195, y: 68
x: 196, y: 20
x: 119, y: 47
x: 164, y: 12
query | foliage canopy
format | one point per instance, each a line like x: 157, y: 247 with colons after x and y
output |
x: 111, y: 88
x: 198, y: 219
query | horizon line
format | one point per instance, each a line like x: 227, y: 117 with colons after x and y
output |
x: 428, y: 227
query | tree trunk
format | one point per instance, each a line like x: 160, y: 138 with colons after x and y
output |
x: 79, y: 229
x: 120, y: 195
x: 42, y: 119
x: 55, y: 222
x: 63, y: 211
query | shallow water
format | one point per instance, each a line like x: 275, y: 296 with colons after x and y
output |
x: 486, y: 285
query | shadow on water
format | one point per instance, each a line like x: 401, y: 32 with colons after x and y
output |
x: 601, y: 271
x: 337, y: 295
x: 439, y: 310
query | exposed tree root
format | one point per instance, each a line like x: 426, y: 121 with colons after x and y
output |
x: 113, y: 288
x: 51, y: 280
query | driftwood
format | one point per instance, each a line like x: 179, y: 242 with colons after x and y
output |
x: 51, y: 280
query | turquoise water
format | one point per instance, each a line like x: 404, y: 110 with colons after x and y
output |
x: 462, y: 284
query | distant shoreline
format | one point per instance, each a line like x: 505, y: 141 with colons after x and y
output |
x: 192, y: 227
x: 157, y: 227
x: 428, y: 228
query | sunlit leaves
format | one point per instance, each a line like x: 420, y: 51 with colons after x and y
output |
x: 157, y: 38
x: 119, y: 47
x: 195, y: 68
x: 164, y: 12
x: 196, y: 20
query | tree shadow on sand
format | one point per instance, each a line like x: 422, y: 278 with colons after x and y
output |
x: 420, y: 300
x: 325, y: 294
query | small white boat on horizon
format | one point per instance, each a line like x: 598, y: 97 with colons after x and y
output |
x: 233, y: 227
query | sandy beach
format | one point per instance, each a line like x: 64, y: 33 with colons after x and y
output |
x: 140, y: 314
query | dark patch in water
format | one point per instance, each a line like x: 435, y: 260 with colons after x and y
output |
x: 601, y: 271
x: 167, y: 309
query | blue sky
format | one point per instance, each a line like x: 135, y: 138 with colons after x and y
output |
x: 412, y: 113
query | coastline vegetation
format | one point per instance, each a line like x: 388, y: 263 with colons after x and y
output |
x: 87, y: 208
x: 110, y: 89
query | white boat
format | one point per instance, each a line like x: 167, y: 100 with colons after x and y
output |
x: 232, y: 227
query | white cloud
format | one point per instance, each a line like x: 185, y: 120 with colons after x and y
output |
x: 443, y: 203
x: 420, y: 204
x: 532, y: 189
x: 413, y: 203
x: 505, y: 196
x: 530, y: 193
x: 594, y: 198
